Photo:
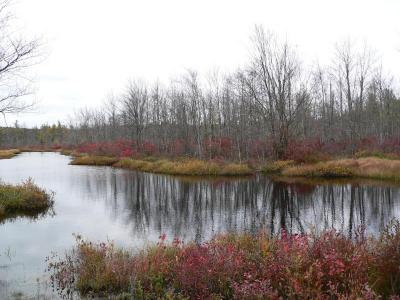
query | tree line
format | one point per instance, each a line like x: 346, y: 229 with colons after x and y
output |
x: 274, y: 106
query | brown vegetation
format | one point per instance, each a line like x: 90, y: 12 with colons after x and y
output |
x: 192, y: 167
x: 94, y: 161
x: 369, y: 167
x: 5, y: 154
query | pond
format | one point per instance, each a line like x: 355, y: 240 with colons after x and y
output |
x: 134, y: 208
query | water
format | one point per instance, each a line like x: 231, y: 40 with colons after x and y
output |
x: 134, y: 208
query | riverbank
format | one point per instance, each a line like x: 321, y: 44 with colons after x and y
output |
x: 237, y: 266
x: 25, y: 199
x: 368, y: 167
x: 373, y: 167
x: 188, y: 167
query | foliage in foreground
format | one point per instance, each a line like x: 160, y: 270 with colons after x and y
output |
x: 24, y: 199
x: 328, y: 266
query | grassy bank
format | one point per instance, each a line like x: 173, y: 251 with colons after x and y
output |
x: 368, y: 167
x: 328, y: 266
x: 5, y: 154
x: 25, y: 199
x: 94, y: 161
x: 190, y: 167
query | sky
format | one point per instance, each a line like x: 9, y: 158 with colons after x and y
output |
x: 94, y: 47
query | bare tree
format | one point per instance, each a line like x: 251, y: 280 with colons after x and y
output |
x: 276, y: 86
x: 17, y: 54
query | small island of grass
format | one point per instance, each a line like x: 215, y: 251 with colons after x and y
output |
x: 365, y: 167
x: 6, y: 154
x: 25, y: 199
x: 187, y: 167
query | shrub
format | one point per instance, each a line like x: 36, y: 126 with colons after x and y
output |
x: 239, y: 266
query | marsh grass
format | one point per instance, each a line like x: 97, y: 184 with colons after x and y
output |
x: 94, y: 161
x: 25, y: 199
x: 369, y: 167
x: 6, y: 154
x: 277, y: 166
x: 184, y: 167
x: 189, y: 167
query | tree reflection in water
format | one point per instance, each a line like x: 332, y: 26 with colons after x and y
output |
x: 197, y: 209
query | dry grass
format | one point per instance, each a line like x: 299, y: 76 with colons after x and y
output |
x: 190, y: 167
x: 369, y: 167
x: 277, y: 166
x: 6, y: 154
x: 94, y: 161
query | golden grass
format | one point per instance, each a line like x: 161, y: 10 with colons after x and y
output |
x: 94, y: 161
x: 369, y: 167
x: 192, y: 167
x: 5, y: 154
x: 277, y: 166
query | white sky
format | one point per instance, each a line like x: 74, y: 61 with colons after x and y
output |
x: 95, y: 46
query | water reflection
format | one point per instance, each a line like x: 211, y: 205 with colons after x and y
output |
x: 196, y: 210
x: 134, y: 208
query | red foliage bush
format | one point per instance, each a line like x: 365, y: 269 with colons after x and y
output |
x: 309, y: 150
x: 329, y: 266
x: 218, y: 147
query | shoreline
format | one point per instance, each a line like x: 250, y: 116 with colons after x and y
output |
x: 370, y: 167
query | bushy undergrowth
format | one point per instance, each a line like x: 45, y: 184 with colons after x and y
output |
x: 5, y: 154
x: 24, y: 199
x: 328, y: 266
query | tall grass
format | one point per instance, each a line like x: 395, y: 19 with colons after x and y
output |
x: 237, y: 266
x: 191, y: 167
x: 5, y: 154
x: 370, y: 167
x: 94, y: 161
x: 23, y: 199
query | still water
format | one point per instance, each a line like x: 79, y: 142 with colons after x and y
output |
x: 134, y: 208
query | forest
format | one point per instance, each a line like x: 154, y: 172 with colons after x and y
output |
x: 274, y: 107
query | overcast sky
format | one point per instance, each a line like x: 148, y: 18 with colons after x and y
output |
x: 94, y: 46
